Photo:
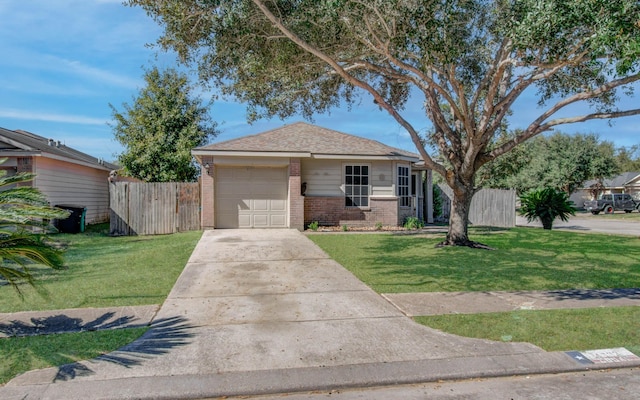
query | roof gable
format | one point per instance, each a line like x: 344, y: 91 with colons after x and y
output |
x: 301, y: 137
x: 23, y: 141
x: 618, y: 181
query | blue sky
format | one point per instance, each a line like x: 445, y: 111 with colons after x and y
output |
x: 62, y: 62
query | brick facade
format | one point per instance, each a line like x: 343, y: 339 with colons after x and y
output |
x: 331, y: 211
x: 207, y: 211
x: 296, y: 200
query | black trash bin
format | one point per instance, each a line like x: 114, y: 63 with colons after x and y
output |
x: 75, y: 222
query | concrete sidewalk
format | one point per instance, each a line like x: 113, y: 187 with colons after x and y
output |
x: 438, y: 303
x: 266, y: 311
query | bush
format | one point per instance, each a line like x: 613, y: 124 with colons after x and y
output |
x: 413, y: 223
x: 547, y: 205
x: 313, y: 226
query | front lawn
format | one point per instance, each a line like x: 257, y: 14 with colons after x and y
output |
x: 552, y: 330
x: 102, y: 271
x: 524, y: 259
x: 105, y: 271
x: 22, y: 354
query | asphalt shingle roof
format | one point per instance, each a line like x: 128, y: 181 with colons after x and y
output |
x: 34, y: 143
x: 617, y: 181
x: 306, y: 138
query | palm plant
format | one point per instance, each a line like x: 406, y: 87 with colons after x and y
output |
x: 23, y: 240
x: 547, y: 205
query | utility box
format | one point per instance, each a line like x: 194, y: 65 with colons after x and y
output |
x: 75, y: 222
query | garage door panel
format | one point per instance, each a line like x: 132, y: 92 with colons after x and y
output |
x: 251, y: 197
x: 278, y: 205
x: 261, y: 221
x: 244, y: 221
x: 278, y: 221
x: 261, y: 205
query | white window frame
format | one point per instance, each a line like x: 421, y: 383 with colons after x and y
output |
x: 352, y: 190
x: 403, y: 185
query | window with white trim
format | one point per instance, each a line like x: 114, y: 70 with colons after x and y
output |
x: 402, y: 186
x: 356, y: 185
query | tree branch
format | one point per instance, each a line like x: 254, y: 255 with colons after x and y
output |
x: 415, y: 137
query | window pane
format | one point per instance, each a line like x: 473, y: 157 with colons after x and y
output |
x: 348, y: 180
x: 356, y: 190
x: 365, y: 180
x: 356, y: 180
x: 349, y: 170
x: 365, y: 170
x: 364, y: 202
x: 356, y: 170
x: 348, y: 202
x: 348, y: 190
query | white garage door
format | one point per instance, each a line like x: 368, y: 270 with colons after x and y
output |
x: 251, y: 197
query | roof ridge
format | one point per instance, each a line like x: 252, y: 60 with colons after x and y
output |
x: 302, y: 136
x: 40, y: 143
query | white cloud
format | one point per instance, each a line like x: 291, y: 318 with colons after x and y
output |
x: 51, y: 117
x: 96, y: 74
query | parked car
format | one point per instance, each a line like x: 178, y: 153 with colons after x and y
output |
x: 608, y: 203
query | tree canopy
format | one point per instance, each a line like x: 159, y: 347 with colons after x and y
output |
x: 558, y: 161
x: 468, y: 60
x: 628, y: 158
x: 161, y: 128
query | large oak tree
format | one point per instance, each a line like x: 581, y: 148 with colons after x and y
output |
x: 469, y: 60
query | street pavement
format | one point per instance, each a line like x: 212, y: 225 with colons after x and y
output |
x: 589, y: 224
x: 259, y: 312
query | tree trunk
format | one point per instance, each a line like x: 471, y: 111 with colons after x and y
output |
x: 547, y: 222
x: 458, y: 233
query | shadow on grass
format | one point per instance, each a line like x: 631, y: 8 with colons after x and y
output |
x: 523, y: 260
x: 602, y: 294
x: 65, y: 324
x: 164, y: 335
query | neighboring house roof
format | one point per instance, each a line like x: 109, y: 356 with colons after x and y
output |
x: 22, y: 143
x: 306, y: 140
x: 619, y: 181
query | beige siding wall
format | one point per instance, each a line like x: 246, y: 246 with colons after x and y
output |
x: 382, y: 179
x: 66, y: 183
x: 324, y: 177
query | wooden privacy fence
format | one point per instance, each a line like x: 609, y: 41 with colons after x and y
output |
x: 489, y: 207
x: 153, y: 208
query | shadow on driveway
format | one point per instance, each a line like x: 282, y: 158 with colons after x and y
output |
x: 164, y: 335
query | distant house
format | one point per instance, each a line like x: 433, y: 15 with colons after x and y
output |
x: 66, y: 176
x: 301, y: 173
x: 627, y: 182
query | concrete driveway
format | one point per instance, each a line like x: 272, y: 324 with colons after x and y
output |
x: 586, y: 223
x: 267, y: 311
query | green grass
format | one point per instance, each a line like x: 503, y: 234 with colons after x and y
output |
x: 524, y: 259
x: 105, y: 271
x: 553, y: 330
x: 21, y: 354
